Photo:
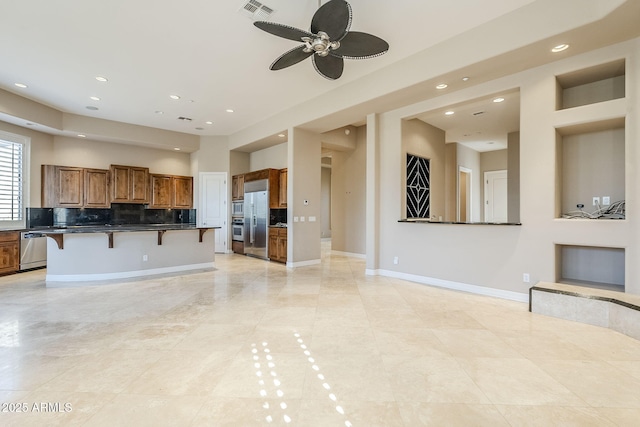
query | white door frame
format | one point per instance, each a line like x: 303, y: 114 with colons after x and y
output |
x: 469, y: 193
x: 223, y: 234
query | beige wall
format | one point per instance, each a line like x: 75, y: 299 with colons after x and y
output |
x: 348, y: 202
x: 303, y: 183
x: 269, y: 158
x: 326, y: 202
x: 513, y: 177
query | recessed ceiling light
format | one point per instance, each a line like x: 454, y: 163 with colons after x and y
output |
x: 177, y: 149
x: 159, y: 112
x: 442, y: 86
x: 208, y: 122
x: 560, y: 48
x: 176, y: 97
x: 101, y: 79
x: 229, y: 110
x: 21, y: 85
x: 499, y: 99
x: 80, y: 135
x: 91, y: 107
x: 449, y: 113
x: 281, y: 135
x: 465, y: 79
x: 95, y: 98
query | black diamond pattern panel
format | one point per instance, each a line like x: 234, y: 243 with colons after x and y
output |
x: 417, y: 187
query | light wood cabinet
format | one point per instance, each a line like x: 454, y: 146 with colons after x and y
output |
x: 182, y: 192
x: 237, y: 187
x: 278, y: 244
x: 73, y: 187
x: 169, y: 191
x: 9, y: 252
x: 283, y: 188
x: 237, y: 247
x: 96, y: 188
x: 130, y: 184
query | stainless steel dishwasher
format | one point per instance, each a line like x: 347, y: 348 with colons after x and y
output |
x: 33, y: 250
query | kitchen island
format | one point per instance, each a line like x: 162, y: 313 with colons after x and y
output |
x: 108, y: 252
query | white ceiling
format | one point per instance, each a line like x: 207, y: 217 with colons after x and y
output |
x: 207, y: 52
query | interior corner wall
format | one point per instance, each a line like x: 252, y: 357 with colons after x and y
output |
x: 513, y: 177
x: 348, y: 197
x: 325, y: 218
x: 303, y: 184
x: 424, y: 140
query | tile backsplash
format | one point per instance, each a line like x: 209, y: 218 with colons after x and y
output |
x: 118, y: 214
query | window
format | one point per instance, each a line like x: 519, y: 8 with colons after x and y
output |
x: 13, y: 150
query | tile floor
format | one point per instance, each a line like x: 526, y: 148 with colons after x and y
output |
x: 255, y: 344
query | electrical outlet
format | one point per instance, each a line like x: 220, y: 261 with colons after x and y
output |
x: 596, y: 201
x: 526, y: 278
x: 396, y: 260
x: 145, y: 257
x: 606, y: 200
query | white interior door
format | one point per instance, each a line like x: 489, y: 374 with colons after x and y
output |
x: 495, y: 196
x: 212, y: 209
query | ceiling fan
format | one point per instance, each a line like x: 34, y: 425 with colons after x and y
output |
x: 329, y: 39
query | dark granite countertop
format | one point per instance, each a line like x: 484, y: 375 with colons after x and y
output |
x: 427, y: 221
x: 119, y: 228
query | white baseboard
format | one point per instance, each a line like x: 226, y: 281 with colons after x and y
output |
x: 350, y: 254
x: 448, y: 284
x: 56, y: 278
x: 303, y: 263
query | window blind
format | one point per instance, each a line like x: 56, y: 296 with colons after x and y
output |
x: 11, y: 200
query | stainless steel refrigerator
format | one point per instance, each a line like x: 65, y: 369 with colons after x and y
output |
x: 256, y: 218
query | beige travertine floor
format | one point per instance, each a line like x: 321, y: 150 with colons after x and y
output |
x: 253, y: 343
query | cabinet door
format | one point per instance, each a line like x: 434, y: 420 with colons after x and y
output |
x: 183, y: 192
x: 139, y: 187
x: 161, y: 190
x: 9, y: 252
x: 282, y: 245
x: 283, y: 187
x: 120, y: 184
x: 70, y: 187
x: 234, y: 187
x: 273, y: 244
x: 96, y: 188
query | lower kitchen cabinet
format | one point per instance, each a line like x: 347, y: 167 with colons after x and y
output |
x: 237, y: 247
x: 9, y: 252
x: 278, y: 244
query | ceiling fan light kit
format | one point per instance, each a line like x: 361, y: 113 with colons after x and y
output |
x: 329, y: 41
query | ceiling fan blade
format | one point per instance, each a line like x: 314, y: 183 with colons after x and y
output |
x: 328, y: 66
x: 334, y: 18
x: 283, y: 31
x: 290, y: 58
x: 357, y: 45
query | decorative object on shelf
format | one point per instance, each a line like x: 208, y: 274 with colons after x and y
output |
x: 330, y: 40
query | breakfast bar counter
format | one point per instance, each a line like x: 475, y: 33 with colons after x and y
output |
x: 108, y: 252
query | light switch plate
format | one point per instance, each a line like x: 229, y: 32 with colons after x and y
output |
x: 606, y: 200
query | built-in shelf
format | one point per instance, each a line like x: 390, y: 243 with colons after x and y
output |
x: 600, y: 83
x: 591, y: 266
x: 591, y: 163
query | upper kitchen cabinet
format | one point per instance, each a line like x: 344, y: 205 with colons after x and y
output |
x: 237, y: 187
x: 183, y: 192
x: 273, y: 175
x: 73, y: 187
x: 96, y: 188
x: 283, y: 188
x: 130, y: 184
x: 169, y: 191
